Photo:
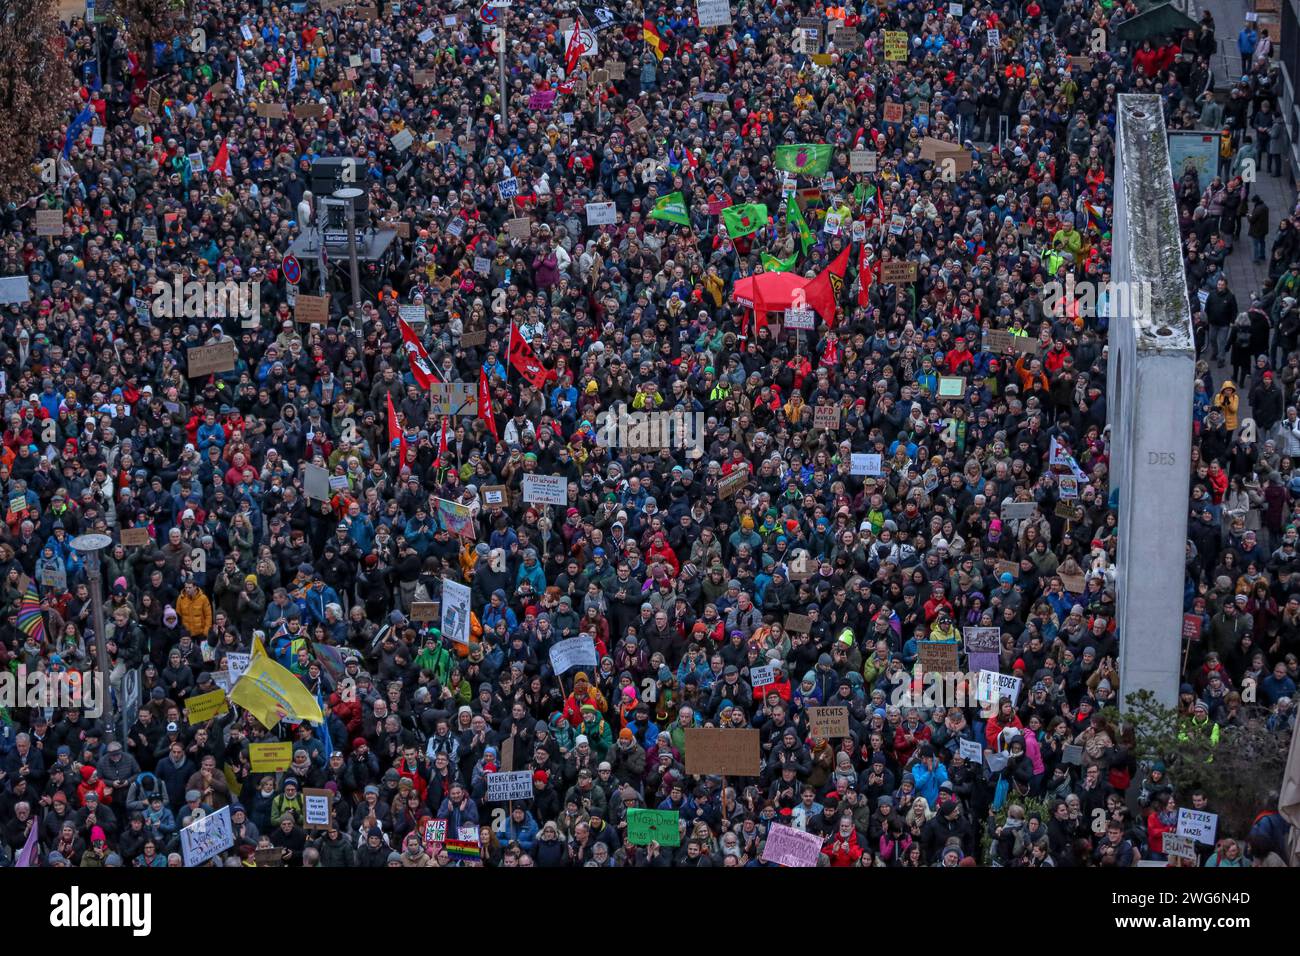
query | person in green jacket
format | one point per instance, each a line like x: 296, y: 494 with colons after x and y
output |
x: 597, y: 730
x: 288, y: 800
x: 435, y: 658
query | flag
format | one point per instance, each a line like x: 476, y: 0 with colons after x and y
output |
x: 395, y: 434
x: 463, y: 849
x: 326, y: 741
x: 240, y: 82
x: 743, y: 219
x: 652, y: 38
x: 794, y: 217
x: 485, y: 404
x: 31, y: 616
x: 573, y: 50
x: 271, y: 693
x: 442, y: 444
x: 773, y: 264
x: 221, y: 164
x: 671, y: 208
x: 823, y: 292
x: 865, y: 277
x: 293, y: 71
x: 421, y: 367
x: 526, y: 362
x: 82, y: 120
x: 28, y: 854
x: 808, y: 159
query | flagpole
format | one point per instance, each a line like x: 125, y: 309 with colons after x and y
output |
x: 502, y: 41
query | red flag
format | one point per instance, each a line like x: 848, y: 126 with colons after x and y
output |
x: 442, y: 444
x: 221, y: 164
x: 865, y: 277
x: 395, y: 434
x: 525, y: 361
x: 823, y: 292
x: 485, y: 404
x: 573, y: 52
x: 421, y: 367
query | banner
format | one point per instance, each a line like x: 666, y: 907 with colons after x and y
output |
x: 653, y: 826
x: 455, y: 611
x: 207, y: 837
x: 790, y: 847
x: 456, y: 518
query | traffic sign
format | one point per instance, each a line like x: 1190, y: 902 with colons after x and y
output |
x: 292, y: 271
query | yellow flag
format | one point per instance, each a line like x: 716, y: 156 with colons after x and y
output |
x: 271, y: 693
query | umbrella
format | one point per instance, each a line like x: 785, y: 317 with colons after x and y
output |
x: 1161, y: 20
x: 769, y: 291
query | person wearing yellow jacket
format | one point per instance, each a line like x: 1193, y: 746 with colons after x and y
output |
x: 195, y: 611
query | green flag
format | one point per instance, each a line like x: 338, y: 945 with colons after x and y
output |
x: 744, y: 219
x: 794, y: 216
x: 808, y: 159
x: 773, y: 264
x: 671, y: 208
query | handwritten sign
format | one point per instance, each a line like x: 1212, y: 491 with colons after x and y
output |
x: 653, y: 826
x: 826, y: 416
x: 864, y: 464
x: 790, y: 847
x: 136, y: 537
x: 574, y: 652
x: 862, y: 161
x: 938, y: 656
x: 897, y: 271
x: 205, y: 706
x: 970, y: 750
x: 999, y: 341
x: 210, y: 359
x: 1197, y: 824
x: 207, y: 837
x: 424, y: 611
x: 312, y: 309
x: 545, y: 489
x: 316, y: 809
x: 49, y: 222
x: 733, y: 482
x: 828, y: 721
x: 893, y: 112
x: 896, y: 46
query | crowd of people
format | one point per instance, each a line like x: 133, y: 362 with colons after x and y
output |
x: 689, y: 570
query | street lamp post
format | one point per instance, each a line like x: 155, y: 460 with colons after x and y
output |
x: 89, y: 546
x: 349, y: 195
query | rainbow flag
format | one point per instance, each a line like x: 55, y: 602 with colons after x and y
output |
x: 463, y: 848
x: 31, y: 617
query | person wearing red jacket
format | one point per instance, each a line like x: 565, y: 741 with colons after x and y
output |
x: 1005, y: 717
x: 957, y: 356
x: 843, y: 848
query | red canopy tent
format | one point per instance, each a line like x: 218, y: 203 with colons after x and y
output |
x: 768, y: 291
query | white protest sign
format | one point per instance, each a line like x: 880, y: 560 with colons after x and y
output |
x: 316, y: 482
x: 425, y: 35
x: 508, y: 188
x: 800, y: 318
x: 316, y: 809
x: 403, y: 140
x: 574, y: 652
x: 545, y: 489
x: 1018, y: 510
x: 761, y: 676
x: 1179, y: 847
x: 207, y: 837
x: 502, y: 787
x: 790, y: 847
x: 236, y: 664
x: 713, y: 13
x: 971, y: 750
x: 864, y: 464
x: 14, y: 290
x: 455, y: 611
x: 993, y: 686
x: 600, y: 213
x: 1197, y: 824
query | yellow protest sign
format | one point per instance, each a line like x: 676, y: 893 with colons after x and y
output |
x: 206, y: 706
x: 896, y: 45
x: 270, y: 758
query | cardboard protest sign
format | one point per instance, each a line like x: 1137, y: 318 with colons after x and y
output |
x: 790, y: 847
x: 762, y: 676
x: 312, y: 309
x: 999, y: 341
x: 826, y: 416
x: 938, y: 656
x: 270, y: 758
x: 136, y: 537
x: 316, y: 809
x: 424, y: 611
x: 733, y: 482
x: 272, y: 110
x: 896, y: 45
x: 1178, y: 847
x: 205, y: 706
x: 513, y: 785
x: 896, y: 271
x: 520, y: 228
x: 49, y: 222
x: 494, y: 497
x: 308, y: 111
x: 828, y: 721
x: 800, y: 623
x: 204, y: 360
x: 715, y: 750
x: 653, y: 826
x: 207, y: 837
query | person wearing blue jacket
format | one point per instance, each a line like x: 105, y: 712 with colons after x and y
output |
x: 928, y: 773
x: 521, y: 828
x: 531, y: 571
x: 1247, y: 40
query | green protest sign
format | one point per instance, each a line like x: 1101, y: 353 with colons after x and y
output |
x: 659, y: 826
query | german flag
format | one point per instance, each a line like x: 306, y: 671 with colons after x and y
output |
x: 652, y: 38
